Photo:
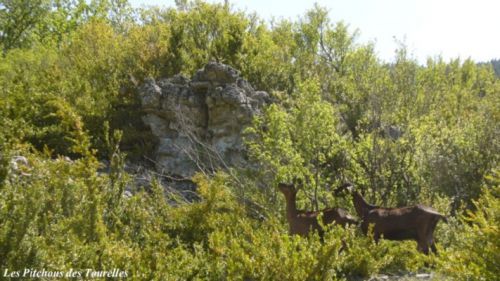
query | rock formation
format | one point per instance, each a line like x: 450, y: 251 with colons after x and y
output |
x: 199, y: 121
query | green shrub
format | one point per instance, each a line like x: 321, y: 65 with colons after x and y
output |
x: 404, y: 133
x: 474, y: 254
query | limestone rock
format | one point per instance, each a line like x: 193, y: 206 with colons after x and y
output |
x: 199, y: 121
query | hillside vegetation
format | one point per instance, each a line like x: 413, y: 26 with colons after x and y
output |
x: 401, y: 132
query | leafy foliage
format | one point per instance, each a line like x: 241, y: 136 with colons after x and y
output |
x: 474, y: 254
x: 403, y: 132
x: 48, y: 219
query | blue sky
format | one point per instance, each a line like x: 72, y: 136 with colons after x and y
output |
x: 450, y: 28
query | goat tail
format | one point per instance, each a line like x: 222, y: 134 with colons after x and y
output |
x: 437, y: 215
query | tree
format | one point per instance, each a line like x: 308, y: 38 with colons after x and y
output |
x: 299, y: 141
x: 18, y: 19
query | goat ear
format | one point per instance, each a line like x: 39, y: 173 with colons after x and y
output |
x: 345, y: 186
x: 297, y: 183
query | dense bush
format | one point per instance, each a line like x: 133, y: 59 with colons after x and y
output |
x: 472, y: 254
x: 402, y: 132
x: 60, y: 214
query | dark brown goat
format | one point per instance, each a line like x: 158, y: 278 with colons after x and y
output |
x: 404, y: 223
x: 302, y: 222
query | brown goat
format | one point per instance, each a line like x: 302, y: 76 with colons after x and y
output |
x: 404, y: 223
x: 302, y: 222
